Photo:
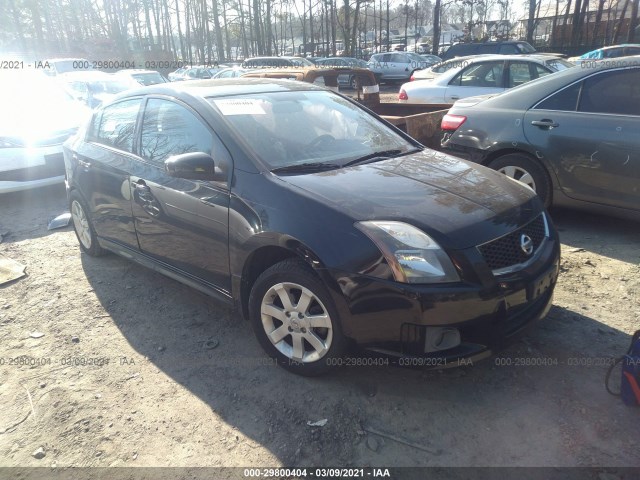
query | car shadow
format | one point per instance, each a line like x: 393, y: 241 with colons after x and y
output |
x: 375, y: 415
x: 599, y: 234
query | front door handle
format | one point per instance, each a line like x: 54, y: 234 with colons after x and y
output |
x: 545, y: 123
x: 455, y: 97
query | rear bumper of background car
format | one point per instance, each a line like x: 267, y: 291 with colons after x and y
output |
x: 401, y: 319
x: 25, y: 168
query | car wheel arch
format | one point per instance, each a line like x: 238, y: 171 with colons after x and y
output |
x: 542, y: 161
x: 266, y: 256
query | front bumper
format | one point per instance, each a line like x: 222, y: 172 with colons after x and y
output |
x: 392, y: 318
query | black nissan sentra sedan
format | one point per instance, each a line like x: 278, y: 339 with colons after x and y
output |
x: 324, y: 225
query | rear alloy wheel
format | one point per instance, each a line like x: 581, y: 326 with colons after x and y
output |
x: 83, y: 226
x: 527, y: 171
x: 295, y: 320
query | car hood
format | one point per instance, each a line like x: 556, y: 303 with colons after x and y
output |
x: 460, y: 204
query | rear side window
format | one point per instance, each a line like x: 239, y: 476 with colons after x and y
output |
x: 564, y: 100
x: 482, y: 74
x: 616, y: 92
x: 508, y: 49
x: 487, y: 49
x: 117, y: 125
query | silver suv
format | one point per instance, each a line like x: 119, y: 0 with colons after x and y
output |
x: 396, y: 65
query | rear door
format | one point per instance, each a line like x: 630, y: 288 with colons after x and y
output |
x: 102, y: 164
x: 589, y: 133
x: 181, y: 223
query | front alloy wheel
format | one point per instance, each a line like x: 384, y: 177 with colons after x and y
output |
x: 296, y: 322
x: 295, y: 319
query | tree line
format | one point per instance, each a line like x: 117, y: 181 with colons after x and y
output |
x: 219, y: 30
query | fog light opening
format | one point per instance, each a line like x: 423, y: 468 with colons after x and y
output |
x: 441, y: 338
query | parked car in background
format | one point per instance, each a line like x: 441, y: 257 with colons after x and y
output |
x: 176, y: 75
x: 200, y: 72
x: 93, y: 87
x: 142, y: 77
x: 343, y: 62
x: 572, y: 136
x: 488, y: 74
x: 437, y: 69
x: 56, y: 66
x: 276, y: 62
x: 231, y: 72
x: 394, y: 66
x: 322, y: 224
x: 38, y: 116
x: 613, y: 51
x: 431, y: 59
x: 496, y: 48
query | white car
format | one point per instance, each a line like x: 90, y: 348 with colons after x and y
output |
x: 439, y: 68
x: 487, y: 74
x: 38, y: 117
x: 94, y: 87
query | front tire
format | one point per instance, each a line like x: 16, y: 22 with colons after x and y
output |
x: 295, y: 319
x: 527, y: 171
x: 83, y: 227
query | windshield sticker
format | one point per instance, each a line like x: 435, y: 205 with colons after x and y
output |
x: 240, y: 106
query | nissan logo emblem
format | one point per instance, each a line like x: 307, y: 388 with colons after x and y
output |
x: 526, y: 244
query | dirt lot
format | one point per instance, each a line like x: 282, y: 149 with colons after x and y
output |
x: 134, y: 369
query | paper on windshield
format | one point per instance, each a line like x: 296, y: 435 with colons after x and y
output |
x: 240, y: 106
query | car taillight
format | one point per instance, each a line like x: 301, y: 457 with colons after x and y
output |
x: 403, y: 95
x: 411, y: 78
x: 452, y: 122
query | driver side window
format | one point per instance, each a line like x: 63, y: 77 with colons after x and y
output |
x: 171, y: 129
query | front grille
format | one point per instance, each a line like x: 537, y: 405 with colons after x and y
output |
x: 53, y: 167
x: 506, y: 251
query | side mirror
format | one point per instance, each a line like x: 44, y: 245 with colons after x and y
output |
x: 192, y: 166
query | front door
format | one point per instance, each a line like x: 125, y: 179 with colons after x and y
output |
x: 182, y: 223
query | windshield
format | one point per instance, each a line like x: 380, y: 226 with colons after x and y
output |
x: 524, y: 47
x: 558, y: 64
x: 285, y: 129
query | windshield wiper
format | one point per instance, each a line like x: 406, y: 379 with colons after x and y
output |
x: 375, y: 156
x: 306, y: 167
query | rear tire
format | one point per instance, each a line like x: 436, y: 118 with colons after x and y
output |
x: 295, y: 319
x: 83, y: 226
x: 527, y: 171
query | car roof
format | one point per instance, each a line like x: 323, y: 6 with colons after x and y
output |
x: 530, y: 92
x: 86, y: 76
x: 221, y: 87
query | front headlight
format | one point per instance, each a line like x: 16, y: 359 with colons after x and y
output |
x: 413, y: 256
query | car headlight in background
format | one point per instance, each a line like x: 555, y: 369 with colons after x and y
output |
x: 412, y: 255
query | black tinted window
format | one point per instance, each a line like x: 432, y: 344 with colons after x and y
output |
x: 564, y: 100
x: 486, y: 49
x: 171, y: 129
x: 508, y: 49
x: 615, y: 92
x: 117, y: 125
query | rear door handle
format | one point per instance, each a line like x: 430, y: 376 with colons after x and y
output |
x: 455, y: 97
x: 545, y: 123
